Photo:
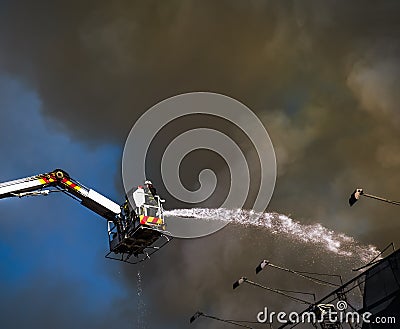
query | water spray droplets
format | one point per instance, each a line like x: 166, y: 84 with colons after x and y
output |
x: 275, y: 223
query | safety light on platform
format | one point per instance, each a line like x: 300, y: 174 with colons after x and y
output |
x: 239, y: 282
x: 261, y: 266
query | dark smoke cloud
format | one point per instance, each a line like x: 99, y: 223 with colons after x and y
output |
x: 323, y: 77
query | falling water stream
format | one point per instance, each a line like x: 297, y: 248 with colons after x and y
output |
x: 141, y: 305
x: 275, y: 223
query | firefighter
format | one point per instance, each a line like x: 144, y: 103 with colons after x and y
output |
x: 151, y: 188
x: 151, y: 195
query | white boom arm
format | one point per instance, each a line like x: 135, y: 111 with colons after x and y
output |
x: 60, y: 180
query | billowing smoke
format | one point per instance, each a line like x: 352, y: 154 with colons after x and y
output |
x: 322, y: 77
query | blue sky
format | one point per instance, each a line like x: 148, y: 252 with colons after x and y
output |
x: 51, y: 243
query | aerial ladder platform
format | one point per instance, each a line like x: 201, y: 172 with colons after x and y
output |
x: 135, y: 228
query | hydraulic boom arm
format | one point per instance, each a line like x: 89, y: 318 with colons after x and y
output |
x: 59, y: 180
